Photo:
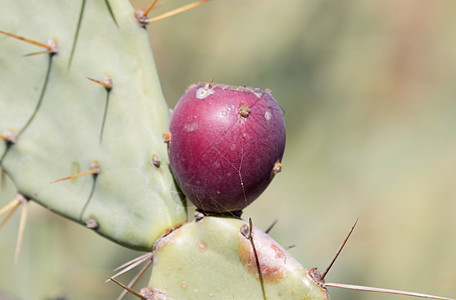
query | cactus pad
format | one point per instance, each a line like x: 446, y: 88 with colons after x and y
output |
x: 212, y: 258
x: 66, y: 124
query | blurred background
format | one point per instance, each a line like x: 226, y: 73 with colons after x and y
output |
x: 369, y: 95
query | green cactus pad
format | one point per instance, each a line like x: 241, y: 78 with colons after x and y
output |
x: 65, y: 122
x: 212, y: 259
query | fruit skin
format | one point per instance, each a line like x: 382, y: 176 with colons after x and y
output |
x: 225, y: 142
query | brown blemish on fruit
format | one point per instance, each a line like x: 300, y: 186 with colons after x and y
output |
x: 244, y: 110
x: 279, y: 252
x: 184, y: 285
x: 275, y: 262
x: 202, y: 246
x: 151, y: 293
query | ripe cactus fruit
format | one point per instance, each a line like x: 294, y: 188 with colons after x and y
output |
x: 226, y: 145
x: 217, y: 250
x: 64, y: 122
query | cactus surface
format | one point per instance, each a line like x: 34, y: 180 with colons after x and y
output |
x: 66, y: 124
x: 213, y: 259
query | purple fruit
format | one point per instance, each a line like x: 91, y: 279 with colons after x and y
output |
x: 226, y: 145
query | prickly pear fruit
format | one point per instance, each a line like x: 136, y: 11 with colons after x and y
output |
x: 214, y: 259
x: 226, y: 145
x: 67, y: 124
